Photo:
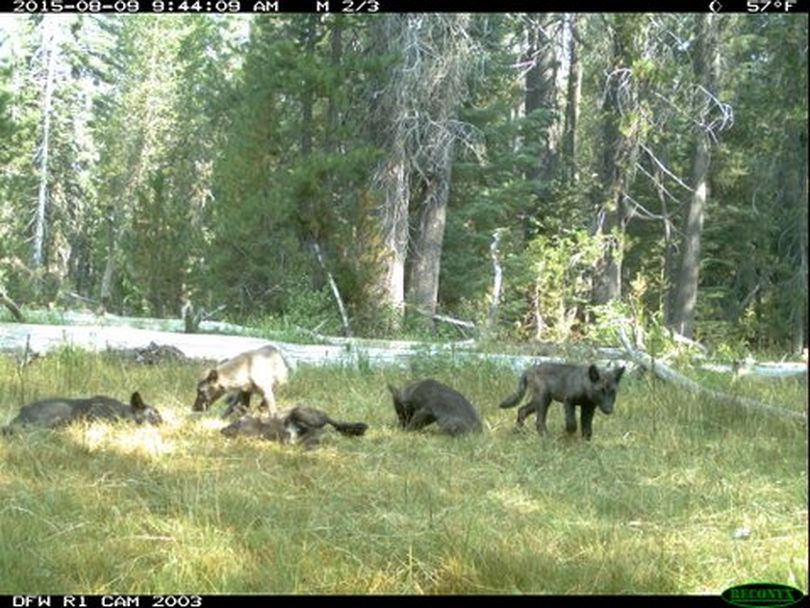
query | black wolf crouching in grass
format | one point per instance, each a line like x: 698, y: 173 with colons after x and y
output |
x: 424, y: 402
x: 258, y: 371
x: 585, y: 386
x: 54, y: 413
x: 300, y: 424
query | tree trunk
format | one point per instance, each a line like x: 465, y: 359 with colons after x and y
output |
x: 574, y: 94
x: 618, y: 151
x: 307, y: 43
x: 335, y: 60
x: 441, y: 95
x: 686, y: 286
x: 665, y: 302
x: 394, y: 224
x: 800, y: 307
x: 108, y: 277
x: 392, y: 178
x: 541, y: 93
x: 40, y: 222
x: 414, y: 124
x: 796, y: 189
x: 423, y: 278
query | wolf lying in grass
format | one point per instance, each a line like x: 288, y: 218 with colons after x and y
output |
x: 424, y: 402
x: 300, y: 424
x: 257, y: 371
x: 585, y: 386
x: 54, y: 413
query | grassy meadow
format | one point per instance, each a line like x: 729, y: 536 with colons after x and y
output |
x: 650, y: 505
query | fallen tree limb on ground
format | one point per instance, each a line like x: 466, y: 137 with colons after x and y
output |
x: 140, y: 331
x: 666, y: 373
x: 785, y: 369
x: 44, y: 338
x: 9, y: 303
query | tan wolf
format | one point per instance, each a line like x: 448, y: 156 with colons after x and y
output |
x: 258, y: 371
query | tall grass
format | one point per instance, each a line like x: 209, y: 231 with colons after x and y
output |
x: 650, y: 505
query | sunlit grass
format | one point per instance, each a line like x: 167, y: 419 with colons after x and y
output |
x: 651, y: 505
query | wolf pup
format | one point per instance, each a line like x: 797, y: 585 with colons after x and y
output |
x: 585, y: 386
x: 297, y: 425
x: 53, y: 413
x: 257, y: 371
x: 424, y: 402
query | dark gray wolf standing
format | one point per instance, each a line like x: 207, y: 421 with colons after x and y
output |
x: 53, y: 413
x: 257, y: 371
x: 300, y: 424
x: 584, y: 385
x: 424, y: 402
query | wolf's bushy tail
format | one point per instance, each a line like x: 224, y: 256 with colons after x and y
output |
x: 514, y: 399
x: 349, y: 428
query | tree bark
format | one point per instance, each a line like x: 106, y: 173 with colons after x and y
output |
x: 573, y: 96
x: 108, y: 277
x: 392, y: 178
x: 335, y: 60
x: 40, y: 223
x: 797, y: 191
x: 394, y: 223
x: 686, y: 286
x: 423, y: 282
x: 619, y: 148
x: 442, y: 95
x: 541, y: 92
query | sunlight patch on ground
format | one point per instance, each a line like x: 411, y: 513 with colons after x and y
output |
x: 514, y: 499
x: 212, y: 424
x: 144, y: 440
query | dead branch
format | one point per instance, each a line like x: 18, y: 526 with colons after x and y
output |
x: 344, y: 318
x: 666, y: 373
x: 497, y: 281
x: 444, y: 318
x: 9, y: 303
x: 688, y: 341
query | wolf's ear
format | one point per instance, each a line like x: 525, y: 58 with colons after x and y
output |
x: 394, y: 392
x: 212, y: 376
x: 618, y: 374
x: 593, y: 373
x: 136, y: 402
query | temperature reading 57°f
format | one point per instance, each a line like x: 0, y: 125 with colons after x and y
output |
x: 360, y: 6
x: 760, y: 6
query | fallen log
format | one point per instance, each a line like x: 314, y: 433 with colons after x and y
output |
x: 666, y: 373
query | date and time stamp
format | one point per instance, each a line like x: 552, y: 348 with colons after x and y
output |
x: 194, y: 6
x: 317, y: 6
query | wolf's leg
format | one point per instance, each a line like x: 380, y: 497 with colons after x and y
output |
x: 587, y: 418
x: 420, y: 419
x: 541, y: 404
x: 571, y: 417
x: 524, y: 411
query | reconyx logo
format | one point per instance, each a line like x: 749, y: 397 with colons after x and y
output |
x: 756, y: 595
